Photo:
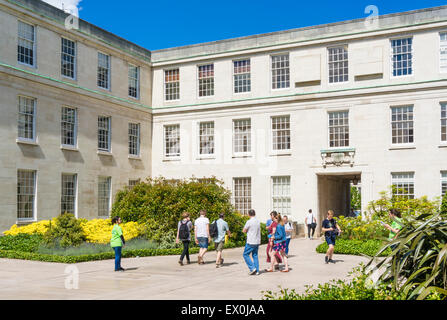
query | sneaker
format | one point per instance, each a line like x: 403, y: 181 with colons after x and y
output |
x: 257, y: 273
x: 221, y: 261
x: 188, y: 262
x: 252, y: 272
x: 326, y: 259
x: 122, y: 270
x: 180, y: 262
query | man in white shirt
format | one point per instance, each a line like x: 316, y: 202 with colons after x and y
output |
x: 253, y: 230
x: 202, y: 235
x: 311, y: 223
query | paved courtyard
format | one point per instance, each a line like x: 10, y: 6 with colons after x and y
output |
x: 162, y: 278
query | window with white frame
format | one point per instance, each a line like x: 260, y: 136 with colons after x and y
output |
x: 338, y: 129
x: 444, y: 122
x: 281, y: 133
x: 68, y: 194
x: 242, y: 136
x: 402, y: 56
x: 104, y: 188
x: 242, y: 76
x: 280, y: 71
x: 134, y: 81
x: 403, y: 184
x: 68, y: 58
x: 242, y: 194
x: 172, y: 140
x: 133, y: 182
x: 206, y: 138
x: 134, y: 139
x: 172, y: 84
x: 443, y: 52
x: 27, y: 118
x: 26, y: 49
x: 103, y: 71
x: 104, y: 133
x: 26, y: 194
x: 206, y: 80
x: 443, y: 183
x: 281, y: 198
x: 402, y: 124
x: 338, y: 64
x: 68, y: 126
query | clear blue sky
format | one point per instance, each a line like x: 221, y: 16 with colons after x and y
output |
x: 165, y: 24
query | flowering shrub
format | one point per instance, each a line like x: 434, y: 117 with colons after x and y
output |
x: 96, y: 231
x: 360, y: 228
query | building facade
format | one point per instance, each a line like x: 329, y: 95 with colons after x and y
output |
x: 288, y: 120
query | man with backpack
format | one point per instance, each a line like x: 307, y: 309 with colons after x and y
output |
x: 202, y: 235
x: 184, y: 234
x: 218, y: 229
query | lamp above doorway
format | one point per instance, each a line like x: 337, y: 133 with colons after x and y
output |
x: 355, y: 181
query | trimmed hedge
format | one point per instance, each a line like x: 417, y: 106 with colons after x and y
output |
x: 356, y: 247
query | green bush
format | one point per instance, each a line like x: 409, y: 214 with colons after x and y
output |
x: 356, y: 247
x: 159, y: 204
x: 21, y: 242
x: 443, y: 210
x: 361, y: 228
x: 66, y: 233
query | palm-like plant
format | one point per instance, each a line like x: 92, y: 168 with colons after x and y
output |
x: 417, y: 265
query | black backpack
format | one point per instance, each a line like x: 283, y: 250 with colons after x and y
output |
x: 183, y: 233
x: 213, y: 229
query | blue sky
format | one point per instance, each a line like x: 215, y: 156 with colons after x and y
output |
x: 164, y: 24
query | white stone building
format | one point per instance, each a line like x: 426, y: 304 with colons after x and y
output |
x: 287, y: 119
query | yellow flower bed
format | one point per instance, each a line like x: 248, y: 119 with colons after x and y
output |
x: 96, y: 231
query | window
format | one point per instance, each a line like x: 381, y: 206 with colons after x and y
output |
x: 68, y: 198
x: 280, y: 71
x: 338, y: 129
x: 402, y: 57
x: 26, y: 194
x: 443, y: 52
x: 338, y: 64
x: 104, y: 186
x: 134, y: 139
x: 68, y: 126
x: 281, y: 133
x: 206, y: 80
x: 444, y: 122
x: 403, y: 184
x: 242, y: 136
x: 443, y: 183
x: 206, y: 138
x: 104, y: 136
x: 27, y: 118
x: 242, y: 194
x: 26, y: 47
x: 133, y: 183
x: 172, y: 85
x: 134, y: 81
x: 68, y: 58
x: 281, y: 195
x: 172, y: 140
x: 103, y: 71
x: 242, y: 76
x: 402, y: 125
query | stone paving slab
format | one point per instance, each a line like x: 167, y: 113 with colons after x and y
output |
x: 162, y: 278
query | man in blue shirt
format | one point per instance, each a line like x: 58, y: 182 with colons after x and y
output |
x: 331, y: 230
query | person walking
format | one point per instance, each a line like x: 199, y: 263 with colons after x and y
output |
x: 331, y: 230
x: 279, y: 244
x: 270, y: 229
x: 117, y: 242
x: 184, y: 234
x: 219, y: 240
x: 202, y: 235
x: 289, y: 230
x: 396, y: 225
x: 253, y: 230
x: 311, y: 223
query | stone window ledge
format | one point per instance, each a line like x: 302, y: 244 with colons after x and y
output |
x: 27, y: 142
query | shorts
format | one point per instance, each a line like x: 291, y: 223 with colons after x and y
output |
x: 281, y: 246
x: 203, y: 242
x: 219, y: 245
x: 330, y: 240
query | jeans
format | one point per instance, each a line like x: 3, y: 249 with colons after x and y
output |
x: 310, y: 227
x: 117, y: 258
x: 185, y: 250
x: 287, y: 245
x: 253, y: 250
